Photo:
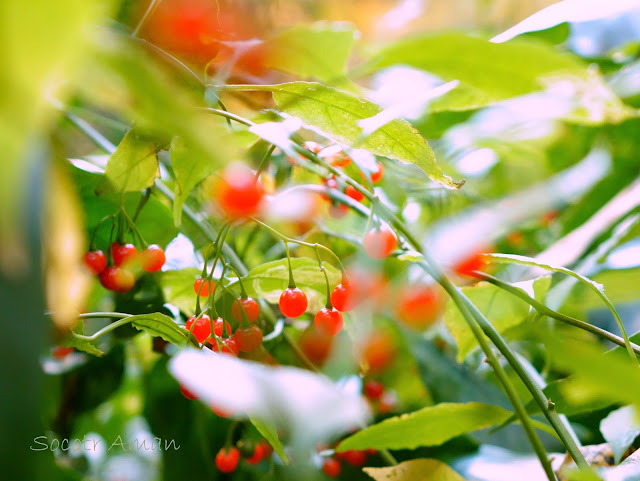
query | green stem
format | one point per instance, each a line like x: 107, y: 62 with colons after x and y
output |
x: 265, y: 160
x: 326, y: 279
x: 292, y: 282
x: 542, y: 309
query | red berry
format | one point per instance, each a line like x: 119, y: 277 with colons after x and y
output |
x: 248, y: 338
x: 328, y: 321
x: 117, y: 279
x: 188, y: 394
x: 250, y: 306
x: 123, y: 254
x: 343, y: 297
x: 95, y: 261
x: 373, y: 390
x: 354, y: 193
x: 474, y: 262
x: 293, y: 302
x: 338, y: 211
x: 227, y: 460
x: 239, y: 193
x: 258, y: 454
x: 331, y: 467
x: 152, y: 258
x: 335, y: 156
x: 229, y: 346
x: 380, y: 242
x: 315, y: 345
x: 220, y: 326
x: 188, y: 28
x: 60, y: 352
x: 378, y: 351
x: 203, y: 288
x: 202, y: 328
x: 377, y: 175
x: 419, y: 306
x: 353, y: 457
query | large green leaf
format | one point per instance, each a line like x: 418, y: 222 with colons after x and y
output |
x: 318, y: 51
x: 190, y: 168
x: 501, y: 308
x: 270, y: 433
x: 620, y: 428
x: 269, y: 280
x: 489, y: 72
x: 415, y: 470
x: 336, y: 113
x: 430, y: 426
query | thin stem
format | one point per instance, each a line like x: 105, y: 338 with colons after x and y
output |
x: 265, y: 160
x: 542, y: 309
x: 152, y: 5
x: 292, y: 282
x: 326, y: 279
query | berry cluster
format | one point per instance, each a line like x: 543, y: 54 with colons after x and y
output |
x: 228, y: 458
x: 118, y: 276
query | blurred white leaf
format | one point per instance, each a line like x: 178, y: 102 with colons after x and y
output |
x: 309, y: 406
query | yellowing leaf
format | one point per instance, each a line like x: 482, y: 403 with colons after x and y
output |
x: 415, y: 470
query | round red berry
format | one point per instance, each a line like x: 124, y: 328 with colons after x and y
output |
x: 354, y: 193
x: 331, y: 467
x: 377, y: 175
x: 239, y: 194
x: 378, y: 351
x: 229, y: 346
x: 203, y: 287
x: 419, y: 306
x: 466, y: 267
x: 248, y: 338
x: 315, y: 345
x: 152, y: 258
x: 373, y: 390
x: 221, y: 327
x: 188, y: 394
x: 353, y: 457
x: 117, y: 279
x: 293, y: 302
x: 343, y: 297
x: 227, y: 460
x: 123, y: 254
x: 328, y: 321
x: 95, y: 261
x: 250, y: 306
x: 60, y: 352
x: 380, y: 242
x: 201, y: 327
x: 258, y: 454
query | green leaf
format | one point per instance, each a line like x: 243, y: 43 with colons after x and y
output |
x: 269, y: 280
x: 597, y: 288
x: 489, y: 72
x: 611, y: 378
x: 177, y: 288
x: 501, y: 308
x: 190, y: 169
x: 620, y: 428
x: 82, y: 344
x: 317, y: 51
x: 415, y: 470
x: 336, y: 113
x: 159, y: 325
x: 134, y: 164
x: 430, y: 426
x: 270, y: 433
